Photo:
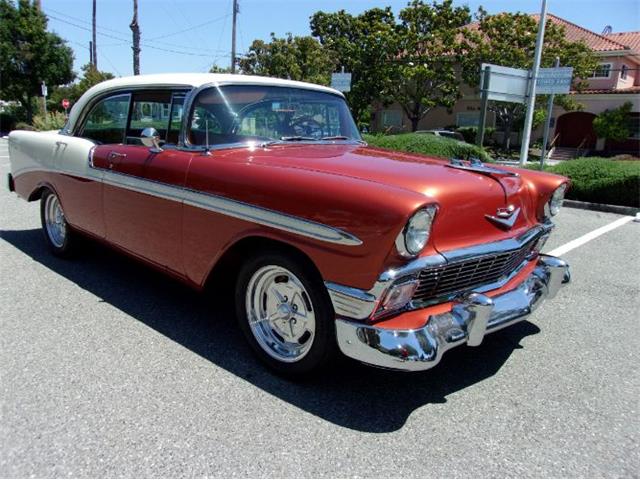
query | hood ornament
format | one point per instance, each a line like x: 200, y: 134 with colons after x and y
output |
x: 505, y: 217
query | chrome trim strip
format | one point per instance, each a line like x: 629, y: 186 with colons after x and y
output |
x: 355, y: 301
x: 471, y: 318
x: 218, y: 204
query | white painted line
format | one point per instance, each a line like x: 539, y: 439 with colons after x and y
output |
x: 587, y: 237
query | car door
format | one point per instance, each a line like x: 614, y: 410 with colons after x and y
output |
x: 143, y: 187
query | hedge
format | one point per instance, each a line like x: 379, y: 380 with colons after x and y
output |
x: 428, y: 145
x: 600, y: 180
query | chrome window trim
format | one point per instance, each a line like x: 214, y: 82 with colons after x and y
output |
x: 347, y: 300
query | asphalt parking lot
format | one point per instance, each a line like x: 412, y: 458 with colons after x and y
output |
x: 110, y: 369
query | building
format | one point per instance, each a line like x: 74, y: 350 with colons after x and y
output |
x: 615, y: 81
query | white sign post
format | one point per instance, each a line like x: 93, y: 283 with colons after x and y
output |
x: 341, y: 81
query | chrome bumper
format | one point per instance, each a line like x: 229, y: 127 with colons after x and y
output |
x: 471, y: 317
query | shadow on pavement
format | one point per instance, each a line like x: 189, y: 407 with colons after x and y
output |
x: 350, y: 395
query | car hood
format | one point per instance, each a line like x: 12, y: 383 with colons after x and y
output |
x: 465, y: 198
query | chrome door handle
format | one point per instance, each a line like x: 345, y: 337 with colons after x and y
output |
x: 61, y: 144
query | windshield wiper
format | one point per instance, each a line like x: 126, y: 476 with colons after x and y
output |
x: 336, y: 137
x: 297, y: 138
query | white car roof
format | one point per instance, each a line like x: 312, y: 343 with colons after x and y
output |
x: 184, y: 80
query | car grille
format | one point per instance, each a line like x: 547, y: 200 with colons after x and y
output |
x: 465, y: 275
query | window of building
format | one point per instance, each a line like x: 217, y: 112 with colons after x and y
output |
x: 467, y: 119
x: 602, y: 71
x: 107, y: 121
x: 624, y: 71
x: 391, y: 118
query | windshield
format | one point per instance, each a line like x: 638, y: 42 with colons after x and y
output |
x: 257, y: 113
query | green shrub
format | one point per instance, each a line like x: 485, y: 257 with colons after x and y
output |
x: 428, y: 145
x: 24, y: 126
x: 600, y: 180
x: 50, y: 121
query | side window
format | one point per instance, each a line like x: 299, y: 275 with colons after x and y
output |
x: 149, y: 110
x: 107, y: 121
x: 177, y: 108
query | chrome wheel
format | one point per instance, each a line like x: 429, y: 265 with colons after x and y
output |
x: 280, y: 314
x: 54, y: 220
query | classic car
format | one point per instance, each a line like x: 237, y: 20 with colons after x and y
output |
x: 331, y: 245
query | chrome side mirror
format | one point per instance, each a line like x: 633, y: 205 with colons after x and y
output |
x: 150, y: 138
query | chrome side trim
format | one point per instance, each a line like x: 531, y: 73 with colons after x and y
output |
x: 218, y: 204
x: 354, y: 302
x: 470, y: 319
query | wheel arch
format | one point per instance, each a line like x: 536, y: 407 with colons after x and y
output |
x: 228, y: 265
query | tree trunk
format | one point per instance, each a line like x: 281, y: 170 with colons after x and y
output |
x: 135, y: 28
x: 414, y: 123
x: 506, y: 140
x: 29, y: 108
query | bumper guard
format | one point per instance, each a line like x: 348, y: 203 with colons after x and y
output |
x: 472, y: 316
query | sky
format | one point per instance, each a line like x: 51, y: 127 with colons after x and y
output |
x: 191, y: 35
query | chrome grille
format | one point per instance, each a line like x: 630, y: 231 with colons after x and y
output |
x: 465, y: 275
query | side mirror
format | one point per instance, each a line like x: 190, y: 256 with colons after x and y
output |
x: 150, y: 138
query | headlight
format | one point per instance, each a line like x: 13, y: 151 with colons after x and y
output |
x: 415, y: 235
x: 556, y: 199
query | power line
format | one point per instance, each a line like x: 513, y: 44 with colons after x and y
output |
x: 209, y: 22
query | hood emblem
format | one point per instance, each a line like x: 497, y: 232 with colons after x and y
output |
x: 505, y: 217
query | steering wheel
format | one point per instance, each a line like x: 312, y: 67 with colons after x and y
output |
x: 307, y: 126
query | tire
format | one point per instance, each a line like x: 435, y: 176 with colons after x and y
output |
x: 58, y: 235
x: 299, y: 338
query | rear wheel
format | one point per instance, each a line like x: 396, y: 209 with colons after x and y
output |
x: 285, y: 313
x: 57, y: 233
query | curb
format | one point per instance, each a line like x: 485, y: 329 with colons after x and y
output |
x: 602, y: 207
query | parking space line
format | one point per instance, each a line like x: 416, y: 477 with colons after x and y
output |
x: 587, y: 237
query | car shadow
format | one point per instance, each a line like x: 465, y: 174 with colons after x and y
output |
x: 348, y: 394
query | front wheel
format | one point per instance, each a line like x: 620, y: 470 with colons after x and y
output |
x: 285, y: 313
x: 57, y: 233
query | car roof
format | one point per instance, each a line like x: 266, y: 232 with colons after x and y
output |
x: 183, y: 80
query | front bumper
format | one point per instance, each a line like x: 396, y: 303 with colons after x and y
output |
x: 470, y: 318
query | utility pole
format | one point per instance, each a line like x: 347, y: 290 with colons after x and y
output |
x: 233, y: 37
x: 135, y: 28
x: 94, y: 47
x: 531, y: 99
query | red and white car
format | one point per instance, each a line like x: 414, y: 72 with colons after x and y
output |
x: 331, y: 245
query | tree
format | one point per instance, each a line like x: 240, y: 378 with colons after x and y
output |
x: 295, y: 58
x: 29, y: 54
x: 424, y: 73
x: 365, y: 46
x: 91, y: 76
x: 218, y: 69
x: 613, y: 124
x: 509, y: 39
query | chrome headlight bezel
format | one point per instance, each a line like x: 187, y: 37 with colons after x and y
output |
x: 415, y: 235
x: 552, y: 208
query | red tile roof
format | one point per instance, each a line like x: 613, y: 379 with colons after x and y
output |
x: 630, y: 39
x: 595, y: 41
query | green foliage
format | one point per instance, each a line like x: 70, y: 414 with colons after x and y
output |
x: 470, y: 133
x: 361, y: 44
x: 428, y: 145
x: 50, y: 121
x: 509, y: 39
x: 614, y: 124
x: 425, y: 76
x: 601, y: 180
x: 217, y: 69
x: 295, y: 58
x: 29, y: 54
x: 90, y: 77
